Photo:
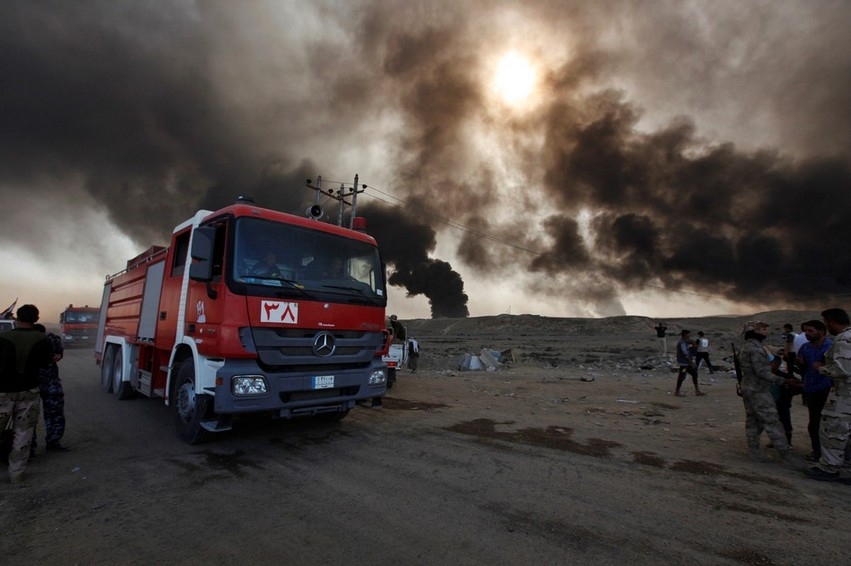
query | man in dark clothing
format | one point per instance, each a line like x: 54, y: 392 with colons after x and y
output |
x: 52, y: 396
x: 413, y: 354
x: 789, y: 352
x: 23, y: 352
x: 816, y: 386
x: 661, y: 333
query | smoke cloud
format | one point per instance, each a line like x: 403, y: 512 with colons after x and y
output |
x: 698, y: 148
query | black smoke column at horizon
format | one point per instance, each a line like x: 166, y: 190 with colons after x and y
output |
x: 405, y: 244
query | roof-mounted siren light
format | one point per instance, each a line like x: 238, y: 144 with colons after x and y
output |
x: 314, y: 211
x: 359, y: 223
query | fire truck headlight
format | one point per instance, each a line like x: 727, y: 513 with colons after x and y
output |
x: 378, y: 377
x: 246, y: 385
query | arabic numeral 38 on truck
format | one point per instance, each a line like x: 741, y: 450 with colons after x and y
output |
x: 248, y: 310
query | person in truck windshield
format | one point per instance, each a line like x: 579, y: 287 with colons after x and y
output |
x: 333, y: 269
x: 267, y: 267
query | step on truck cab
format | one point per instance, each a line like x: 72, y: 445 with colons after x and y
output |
x: 249, y: 310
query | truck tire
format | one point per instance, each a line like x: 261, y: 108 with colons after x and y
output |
x: 106, y: 368
x: 122, y: 390
x: 391, y: 377
x: 189, y: 408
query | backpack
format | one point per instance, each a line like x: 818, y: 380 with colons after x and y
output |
x: 738, y: 367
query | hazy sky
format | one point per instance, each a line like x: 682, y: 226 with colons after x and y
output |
x: 565, y: 158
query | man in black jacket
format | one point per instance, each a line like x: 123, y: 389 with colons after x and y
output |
x: 23, y: 352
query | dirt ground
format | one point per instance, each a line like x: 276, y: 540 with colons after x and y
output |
x: 576, y: 451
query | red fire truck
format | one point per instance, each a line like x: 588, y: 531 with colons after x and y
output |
x: 248, y: 310
x: 78, y: 325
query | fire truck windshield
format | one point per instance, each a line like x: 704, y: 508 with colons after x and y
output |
x: 281, y: 259
x: 73, y: 317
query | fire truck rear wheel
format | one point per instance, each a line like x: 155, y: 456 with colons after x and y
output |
x: 391, y: 377
x: 189, y: 408
x: 106, y: 369
x: 122, y: 389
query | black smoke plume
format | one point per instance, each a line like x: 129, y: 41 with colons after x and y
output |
x: 405, y: 243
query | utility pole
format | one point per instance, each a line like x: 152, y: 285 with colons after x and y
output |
x: 340, y: 196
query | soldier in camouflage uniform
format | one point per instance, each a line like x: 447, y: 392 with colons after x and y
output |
x: 760, y: 408
x: 836, y: 415
x: 52, y: 397
x: 23, y: 352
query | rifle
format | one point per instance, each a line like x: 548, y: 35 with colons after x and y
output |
x: 738, y: 367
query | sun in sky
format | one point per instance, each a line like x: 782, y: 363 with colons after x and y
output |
x: 514, y: 79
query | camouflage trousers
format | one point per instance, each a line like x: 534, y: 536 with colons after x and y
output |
x: 53, y: 408
x: 761, y: 414
x: 834, y: 432
x: 22, y: 408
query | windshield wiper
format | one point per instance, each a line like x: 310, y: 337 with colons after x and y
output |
x: 355, y: 289
x: 290, y: 283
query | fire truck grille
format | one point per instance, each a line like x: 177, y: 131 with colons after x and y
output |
x: 286, y: 349
x: 302, y: 351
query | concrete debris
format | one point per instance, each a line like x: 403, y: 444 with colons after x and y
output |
x: 487, y: 360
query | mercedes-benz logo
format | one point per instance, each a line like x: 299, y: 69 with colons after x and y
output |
x: 323, y: 344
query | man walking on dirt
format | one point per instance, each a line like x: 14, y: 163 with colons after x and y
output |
x: 702, y: 352
x: 685, y: 359
x: 836, y: 415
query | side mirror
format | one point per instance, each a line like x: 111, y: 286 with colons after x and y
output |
x: 201, y: 268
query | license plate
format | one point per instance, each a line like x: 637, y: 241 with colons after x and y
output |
x: 323, y: 381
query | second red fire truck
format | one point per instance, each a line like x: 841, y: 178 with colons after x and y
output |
x: 78, y: 325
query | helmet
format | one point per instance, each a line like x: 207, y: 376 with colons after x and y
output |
x: 392, y: 317
x: 754, y: 325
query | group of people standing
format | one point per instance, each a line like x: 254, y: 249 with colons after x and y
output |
x: 824, y: 364
x: 28, y: 374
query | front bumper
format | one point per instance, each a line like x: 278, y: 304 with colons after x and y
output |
x: 291, y: 394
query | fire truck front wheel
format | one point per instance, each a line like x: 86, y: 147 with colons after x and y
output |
x: 121, y: 389
x: 106, y: 369
x: 190, y: 408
